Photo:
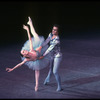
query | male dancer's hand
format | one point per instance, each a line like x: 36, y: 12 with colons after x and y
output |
x: 39, y: 49
x: 41, y: 57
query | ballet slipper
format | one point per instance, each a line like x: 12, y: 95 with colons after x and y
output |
x: 59, y: 89
x: 46, y: 81
x: 36, y: 88
x: 30, y: 21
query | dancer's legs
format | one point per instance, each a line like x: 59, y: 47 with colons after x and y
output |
x: 35, y: 35
x: 49, y: 73
x: 57, y: 62
x: 37, y: 74
x: 29, y: 36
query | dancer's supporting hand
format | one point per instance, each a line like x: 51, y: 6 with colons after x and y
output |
x: 39, y: 49
x: 41, y: 57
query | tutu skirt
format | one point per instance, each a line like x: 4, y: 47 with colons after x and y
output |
x: 37, y: 64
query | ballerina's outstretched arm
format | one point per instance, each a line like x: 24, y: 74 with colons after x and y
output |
x: 29, y: 36
x: 26, y: 59
x: 18, y: 65
x: 35, y: 35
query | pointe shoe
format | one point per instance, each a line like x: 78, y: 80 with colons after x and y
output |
x: 46, y: 82
x: 59, y: 89
x: 30, y: 21
x: 36, y: 88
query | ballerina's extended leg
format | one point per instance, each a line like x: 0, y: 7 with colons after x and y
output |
x: 35, y: 35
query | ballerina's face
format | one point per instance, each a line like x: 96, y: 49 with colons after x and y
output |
x: 55, y: 30
x: 24, y: 53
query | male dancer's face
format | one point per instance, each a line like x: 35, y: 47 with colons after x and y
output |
x: 55, y: 30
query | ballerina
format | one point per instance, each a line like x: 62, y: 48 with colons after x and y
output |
x: 30, y: 54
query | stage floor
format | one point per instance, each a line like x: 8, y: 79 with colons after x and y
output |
x: 79, y: 71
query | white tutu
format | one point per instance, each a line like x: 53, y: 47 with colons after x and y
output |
x: 38, y: 64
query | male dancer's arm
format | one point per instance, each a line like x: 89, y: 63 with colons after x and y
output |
x: 51, y: 47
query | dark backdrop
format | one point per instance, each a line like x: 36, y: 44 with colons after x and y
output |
x: 78, y: 19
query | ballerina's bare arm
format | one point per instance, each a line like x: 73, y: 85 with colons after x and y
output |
x: 18, y: 65
x: 29, y: 36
